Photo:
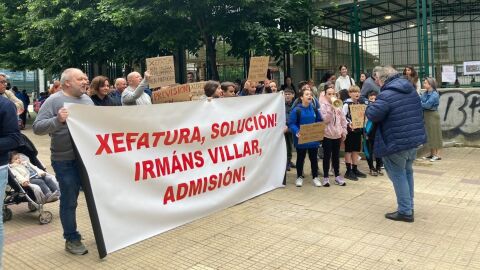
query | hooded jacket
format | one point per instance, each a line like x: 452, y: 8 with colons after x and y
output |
x: 307, y: 116
x: 399, y: 115
x: 336, y: 124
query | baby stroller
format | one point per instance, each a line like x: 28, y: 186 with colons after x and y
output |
x: 33, y: 195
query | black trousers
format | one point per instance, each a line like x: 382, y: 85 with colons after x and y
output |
x: 370, y: 159
x: 289, y: 142
x: 331, y: 151
x: 312, y: 155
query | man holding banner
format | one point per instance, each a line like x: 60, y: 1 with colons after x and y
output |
x: 51, y: 119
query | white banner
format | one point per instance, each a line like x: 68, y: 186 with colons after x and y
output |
x: 153, y: 168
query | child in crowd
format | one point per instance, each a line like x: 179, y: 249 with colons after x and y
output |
x: 335, y: 133
x: 369, y: 132
x: 213, y: 90
x: 305, y: 113
x: 249, y: 88
x: 353, y: 142
x: 228, y: 89
x: 26, y: 173
x: 289, y: 94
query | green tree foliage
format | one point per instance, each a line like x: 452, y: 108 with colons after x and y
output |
x: 55, y: 34
x: 275, y: 28
x: 63, y: 33
x: 11, y: 46
x: 178, y: 24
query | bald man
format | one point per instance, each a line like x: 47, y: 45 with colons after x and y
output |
x: 116, y: 95
x: 51, y: 119
x: 135, y: 94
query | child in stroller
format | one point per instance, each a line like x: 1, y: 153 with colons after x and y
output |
x: 16, y: 193
x: 26, y: 173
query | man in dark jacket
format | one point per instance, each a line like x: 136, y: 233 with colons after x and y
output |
x: 370, y: 85
x: 398, y: 114
x: 9, y: 139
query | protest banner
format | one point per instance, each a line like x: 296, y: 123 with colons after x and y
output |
x: 258, y: 68
x: 167, y: 165
x: 171, y: 94
x: 162, y: 71
x: 197, y: 90
x: 311, y: 132
x: 358, y: 115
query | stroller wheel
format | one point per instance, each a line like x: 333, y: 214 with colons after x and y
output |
x: 7, y: 214
x: 31, y: 207
x: 45, y: 217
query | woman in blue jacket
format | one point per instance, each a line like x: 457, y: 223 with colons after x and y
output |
x: 305, y: 113
x: 430, y: 101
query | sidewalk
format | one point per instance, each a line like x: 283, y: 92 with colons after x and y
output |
x: 290, y: 228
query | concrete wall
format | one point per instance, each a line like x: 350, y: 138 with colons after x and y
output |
x: 460, y: 115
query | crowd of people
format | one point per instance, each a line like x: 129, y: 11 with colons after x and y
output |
x: 397, y: 121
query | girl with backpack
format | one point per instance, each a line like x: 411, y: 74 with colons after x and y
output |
x: 305, y: 113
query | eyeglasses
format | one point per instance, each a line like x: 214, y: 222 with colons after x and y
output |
x: 3, y: 82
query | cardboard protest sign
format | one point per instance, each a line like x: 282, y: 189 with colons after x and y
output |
x: 196, y: 90
x: 171, y: 94
x: 258, y: 68
x: 162, y: 71
x: 358, y: 115
x: 311, y: 132
x: 183, y: 162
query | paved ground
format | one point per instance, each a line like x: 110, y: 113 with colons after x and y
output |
x: 290, y: 228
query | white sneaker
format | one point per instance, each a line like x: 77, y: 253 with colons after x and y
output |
x: 316, y: 182
x: 435, y: 158
x: 299, y: 181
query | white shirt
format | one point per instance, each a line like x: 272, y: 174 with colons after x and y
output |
x: 343, y: 83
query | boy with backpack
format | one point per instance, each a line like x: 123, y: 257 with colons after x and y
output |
x: 353, y: 142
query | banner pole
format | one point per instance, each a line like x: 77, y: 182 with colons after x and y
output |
x: 92, y: 209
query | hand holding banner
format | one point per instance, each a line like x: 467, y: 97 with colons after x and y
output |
x: 182, y: 162
x: 311, y: 132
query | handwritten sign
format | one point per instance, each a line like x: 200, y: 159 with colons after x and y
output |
x: 197, y: 90
x: 162, y: 71
x: 358, y: 115
x: 171, y: 94
x: 258, y: 68
x: 311, y: 133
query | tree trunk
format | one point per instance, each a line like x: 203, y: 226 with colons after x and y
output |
x: 210, y: 42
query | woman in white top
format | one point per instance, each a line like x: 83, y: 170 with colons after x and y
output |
x: 343, y: 81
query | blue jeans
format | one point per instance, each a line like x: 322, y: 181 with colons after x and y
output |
x: 3, y: 184
x: 68, y: 178
x: 400, y: 171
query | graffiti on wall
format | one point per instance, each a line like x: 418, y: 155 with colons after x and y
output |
x: 460, y: 112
